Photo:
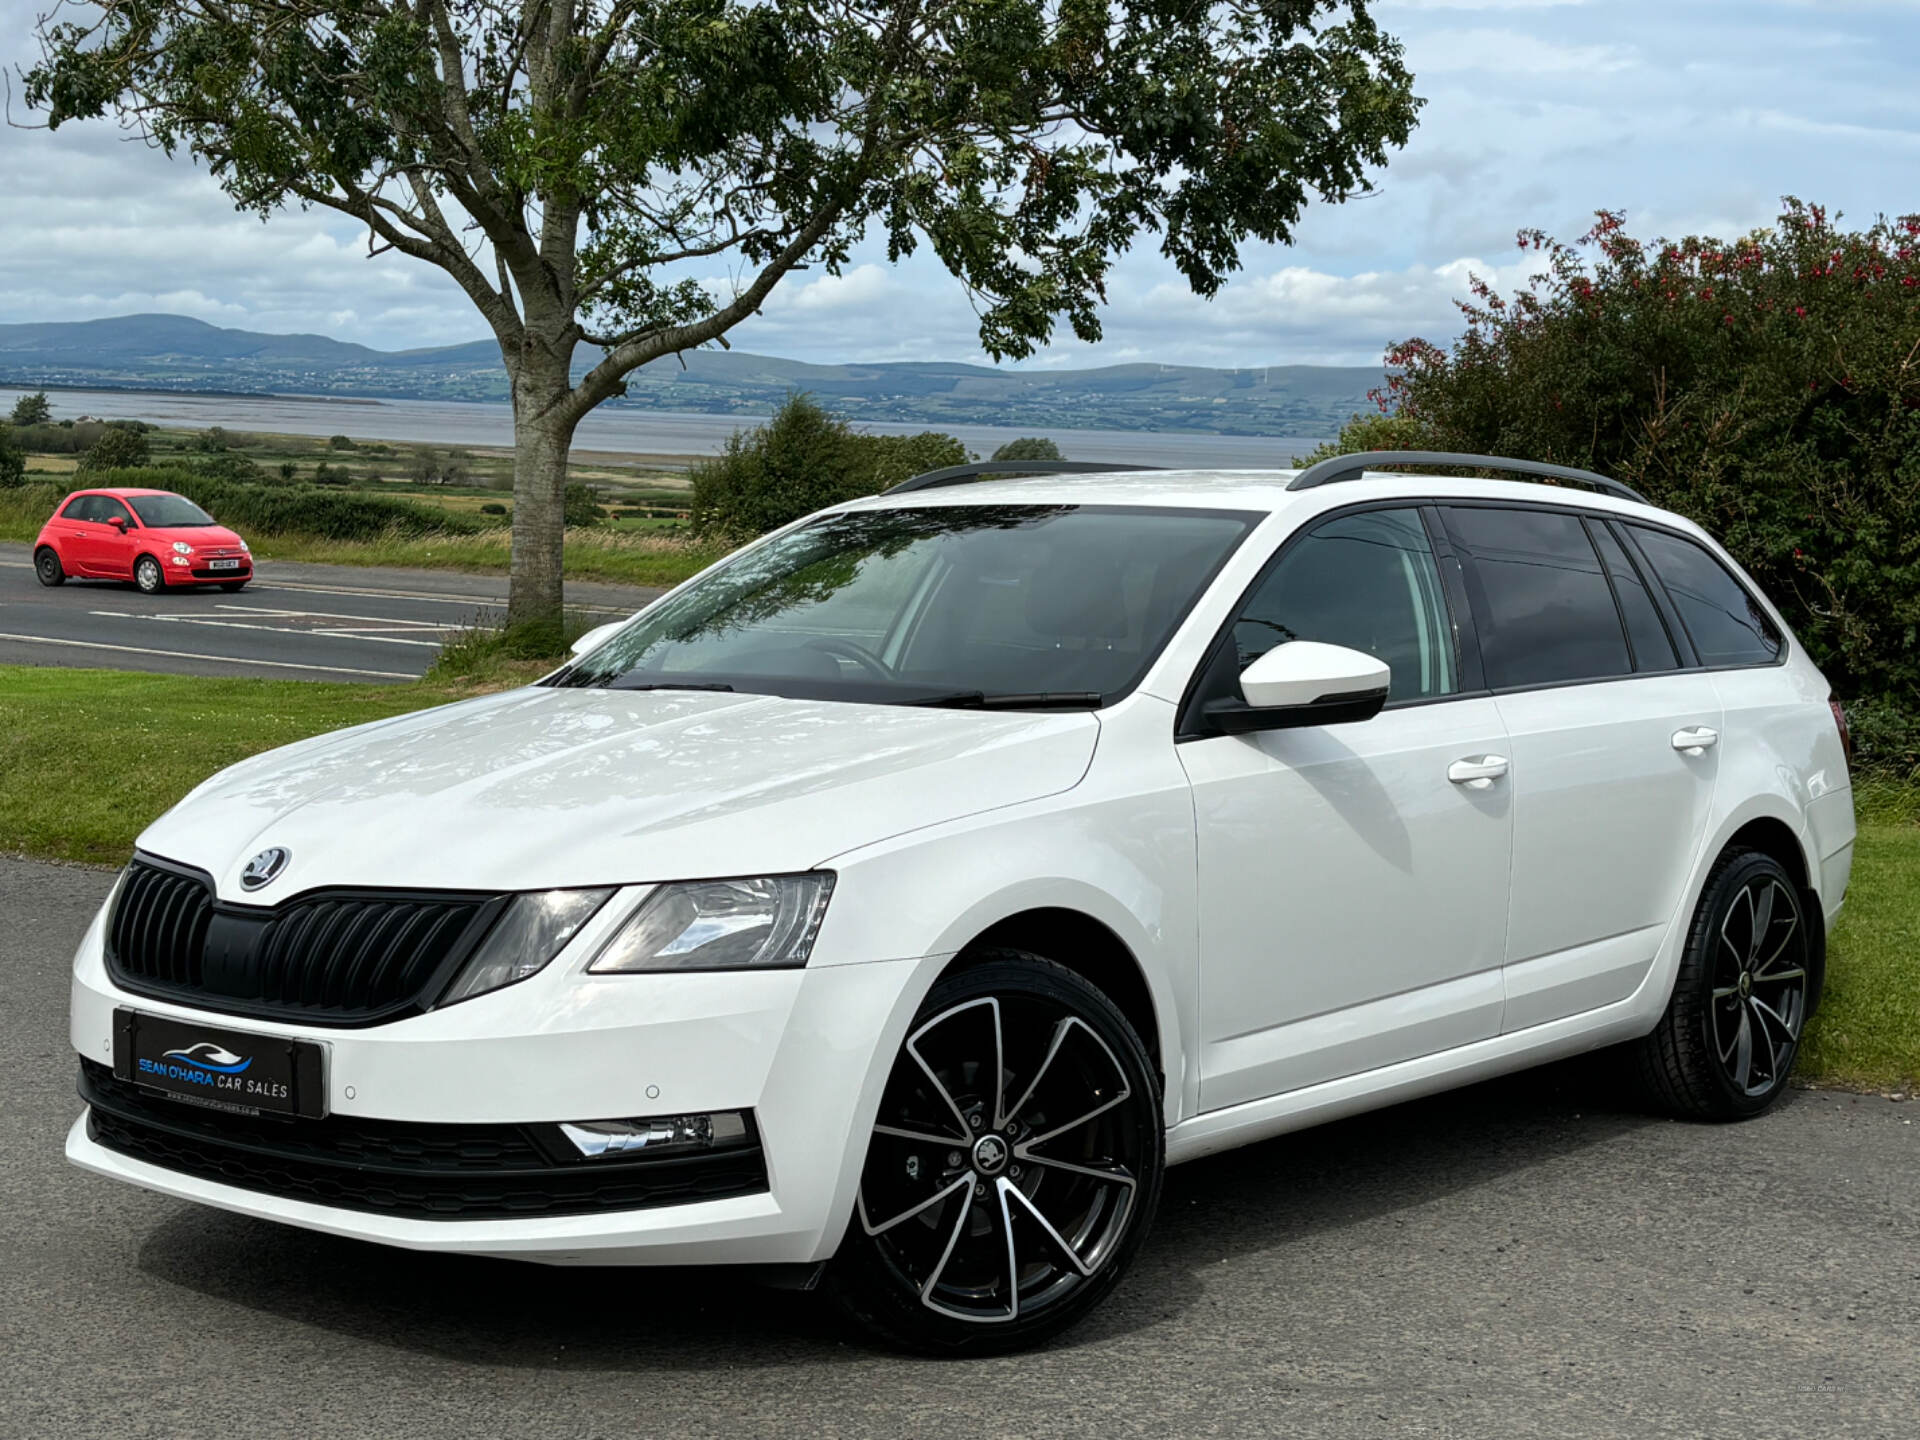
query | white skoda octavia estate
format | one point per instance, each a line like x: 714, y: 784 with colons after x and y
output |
x: 889, y: 905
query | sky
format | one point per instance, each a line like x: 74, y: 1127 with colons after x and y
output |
x: 1691, y: 116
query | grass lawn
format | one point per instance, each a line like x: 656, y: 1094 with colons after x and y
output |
x: 89, y: 757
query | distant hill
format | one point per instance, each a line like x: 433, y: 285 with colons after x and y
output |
x: 174, y: 352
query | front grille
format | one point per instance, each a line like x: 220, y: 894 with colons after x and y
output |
x: 448, y: 1172
x: 329, y: 957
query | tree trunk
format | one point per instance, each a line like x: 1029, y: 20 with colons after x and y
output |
x: 542, y: 437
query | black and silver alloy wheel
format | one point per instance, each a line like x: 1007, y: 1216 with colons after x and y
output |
x: 1760, y: 986
x: 147, y: 575
x: 47, y: 567
x: 1013, y: 1168
x: 1726, y: 1046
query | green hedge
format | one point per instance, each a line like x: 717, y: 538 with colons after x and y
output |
x: 286, y: 509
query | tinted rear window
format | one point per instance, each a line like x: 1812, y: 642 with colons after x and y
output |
x: 1727, y: 625
x: 1545, y: 610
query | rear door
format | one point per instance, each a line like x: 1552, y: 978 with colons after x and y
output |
x: 1353, y: 896
x: 1613, y: 737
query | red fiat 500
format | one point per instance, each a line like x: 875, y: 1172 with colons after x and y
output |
x: 151, y: 537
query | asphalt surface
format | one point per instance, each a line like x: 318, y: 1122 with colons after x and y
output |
x: 1519, y: 1259
x: 294, y: 621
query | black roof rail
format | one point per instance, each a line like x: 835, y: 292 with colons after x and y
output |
x: 960, y: 474
x: 1352, y: 467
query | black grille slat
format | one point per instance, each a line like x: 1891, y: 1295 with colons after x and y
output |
x: 332, y: 957
x: 447, y: 1172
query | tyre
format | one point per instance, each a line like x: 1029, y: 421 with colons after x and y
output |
x: 1014, y: 1168
x: 47, y: 567
x: 1726, y: 1046
x: 233, y: 587
x: 148, y: 575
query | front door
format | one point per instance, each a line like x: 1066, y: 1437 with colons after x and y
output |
x: 1353, y: 896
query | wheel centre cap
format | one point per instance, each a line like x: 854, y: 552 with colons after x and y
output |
x: 989, y: 1154
x: 1746, y: 982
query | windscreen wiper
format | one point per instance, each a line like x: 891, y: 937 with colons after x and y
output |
x: 622, y: 684
x: 1032, y: 700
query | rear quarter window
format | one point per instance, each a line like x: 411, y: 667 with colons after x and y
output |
x: 1725, y: 622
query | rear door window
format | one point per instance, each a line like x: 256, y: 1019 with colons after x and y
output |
x: 1725, y: 622
x: 1544, y: 609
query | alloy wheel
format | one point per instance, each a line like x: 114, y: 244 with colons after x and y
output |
x: 1004, y: 1169
x: 1759, y: 995
x: 146, y: 575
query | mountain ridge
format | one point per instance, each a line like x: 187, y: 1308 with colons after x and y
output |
x: 177, y: 352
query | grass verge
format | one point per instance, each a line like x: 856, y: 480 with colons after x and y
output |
x: 90, y: 757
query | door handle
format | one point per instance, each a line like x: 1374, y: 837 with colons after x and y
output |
x: 1695, y: 739
x: 1478, y: 773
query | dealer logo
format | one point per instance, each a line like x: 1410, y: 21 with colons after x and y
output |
x: 209, y: 1056
x: 264, y: 868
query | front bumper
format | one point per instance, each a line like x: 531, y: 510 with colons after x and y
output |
x: 198, y: 572
x: 807, y: 1051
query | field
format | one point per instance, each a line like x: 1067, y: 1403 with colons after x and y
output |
x: 94, y: 755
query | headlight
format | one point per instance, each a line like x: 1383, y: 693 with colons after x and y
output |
x: 721, y: 925
x: 181, y: 547
x: 246, y: 547
x: 533, y: 931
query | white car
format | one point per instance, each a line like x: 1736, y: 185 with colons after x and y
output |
x: 893, y: 902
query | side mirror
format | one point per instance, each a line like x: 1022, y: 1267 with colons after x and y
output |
x: 119, y: 522
x: 593, y: 638
x: 1304, y: 682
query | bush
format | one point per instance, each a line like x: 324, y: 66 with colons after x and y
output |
x: 581, y: 507
x: 341, y: 442
x: 32, y: 410
x: 226, y: 465
x: 800, y: 461
x: 13, y: 465
x: 1765, y: 387
x: 301, y: 509
x: 1028, y: 447
x: 119, y: 448
x: 211, y: 441
x: 492, y: 509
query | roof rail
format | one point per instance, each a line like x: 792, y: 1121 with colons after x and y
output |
x: 960, y: 474
x: 1352, y: 467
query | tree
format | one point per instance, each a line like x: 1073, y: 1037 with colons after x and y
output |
x: 32, y: 410
x: 801, y: 459
x: 118, y: 448
x: 1028, y: 447
x: 1767, y: 387
x: 576, y: 166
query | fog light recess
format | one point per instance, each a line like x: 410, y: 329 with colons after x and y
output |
x: 665, y: 1134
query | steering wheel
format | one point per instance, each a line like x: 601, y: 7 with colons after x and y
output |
x: 854, y: 651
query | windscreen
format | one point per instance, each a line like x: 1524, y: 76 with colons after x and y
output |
x: 1007, y: 605
x: 165, y: 512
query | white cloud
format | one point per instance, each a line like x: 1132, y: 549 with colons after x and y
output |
x: 1540, y: 112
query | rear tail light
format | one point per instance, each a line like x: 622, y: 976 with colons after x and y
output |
x: 1840, y: 720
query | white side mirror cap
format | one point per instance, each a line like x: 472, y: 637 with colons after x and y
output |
x: 1306, y: 672
x: 593, y: 638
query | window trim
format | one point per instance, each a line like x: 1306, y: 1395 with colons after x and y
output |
x: 1189, y: 717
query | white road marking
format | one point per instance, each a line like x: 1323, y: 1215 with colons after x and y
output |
x: 221, y: 659
x: 332, y: 633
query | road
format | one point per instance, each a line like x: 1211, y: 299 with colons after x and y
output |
x: 295, y: 621
x: 1520, y: 1259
